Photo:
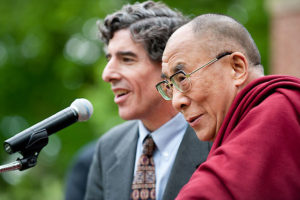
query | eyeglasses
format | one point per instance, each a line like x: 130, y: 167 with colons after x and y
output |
x: 181, y: 80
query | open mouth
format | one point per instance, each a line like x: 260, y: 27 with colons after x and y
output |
x: 120, y: 93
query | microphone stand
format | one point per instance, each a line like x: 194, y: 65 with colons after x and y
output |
x: 30, y: 152
x: 16, y: 165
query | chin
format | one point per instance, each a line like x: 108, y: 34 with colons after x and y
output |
x: 126, y: 115
x: 204, y: 136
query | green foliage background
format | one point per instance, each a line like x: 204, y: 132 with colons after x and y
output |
x: 50, y: 55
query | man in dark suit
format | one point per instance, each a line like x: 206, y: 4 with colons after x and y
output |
x: 135, y: 37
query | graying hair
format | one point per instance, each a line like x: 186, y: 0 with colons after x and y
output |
x: 150, y: 23
x: 227, y: 34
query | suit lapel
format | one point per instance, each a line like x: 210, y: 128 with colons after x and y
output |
x: 119, y: 176
x: 191, y: 153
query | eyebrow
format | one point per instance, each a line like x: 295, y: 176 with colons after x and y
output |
x: 178, y: 67
x: 126, y: 53
x: 175, y: 69
x: 123, y: 53
x: 164, y: 76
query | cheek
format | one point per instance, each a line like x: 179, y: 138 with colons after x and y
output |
x: 220, y: 101
x: 151, y: 78
x: 211, y: 93
x: 146, y: 84
x: 201, y: 89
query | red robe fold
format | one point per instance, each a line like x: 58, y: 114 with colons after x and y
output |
x: 256, y: 154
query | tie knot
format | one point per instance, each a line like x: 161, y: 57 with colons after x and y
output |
x: 148, y: 146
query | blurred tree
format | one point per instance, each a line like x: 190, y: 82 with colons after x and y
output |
x: 50, y: 55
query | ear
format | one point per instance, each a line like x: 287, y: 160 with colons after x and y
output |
x: 239, y: 65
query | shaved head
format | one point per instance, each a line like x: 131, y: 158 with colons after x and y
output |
x: 224, y: 34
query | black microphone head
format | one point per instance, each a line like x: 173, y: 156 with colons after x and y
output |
x: 84, y: 109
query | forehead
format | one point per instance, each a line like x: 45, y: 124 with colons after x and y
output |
x: 181, y: 51
x: 122, y: 41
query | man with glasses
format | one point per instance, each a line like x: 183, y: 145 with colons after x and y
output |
x: 153, y: 155
x: 214, y: 77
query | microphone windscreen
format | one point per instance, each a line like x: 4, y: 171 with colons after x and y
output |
x: 83, y: 107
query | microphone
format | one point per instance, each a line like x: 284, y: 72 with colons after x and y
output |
x: 80, y: 110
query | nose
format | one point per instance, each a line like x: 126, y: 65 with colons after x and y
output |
x: 111, y: 72
x: 180, y: 101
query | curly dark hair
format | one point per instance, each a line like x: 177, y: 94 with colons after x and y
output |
x: 150, y: 23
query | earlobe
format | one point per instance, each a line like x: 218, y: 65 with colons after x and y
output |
x: 239, y: 66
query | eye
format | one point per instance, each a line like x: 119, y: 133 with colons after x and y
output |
x: 169, y: 86
x: 108, y: 57
x: 127, y: 59
x: 180, y: 77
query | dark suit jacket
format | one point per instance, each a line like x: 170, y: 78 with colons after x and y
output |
x: 112, y: 170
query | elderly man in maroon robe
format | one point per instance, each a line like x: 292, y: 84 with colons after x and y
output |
x: 213, y: 74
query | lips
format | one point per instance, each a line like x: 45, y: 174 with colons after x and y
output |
x: 120, y: 95
x: 193, y: 121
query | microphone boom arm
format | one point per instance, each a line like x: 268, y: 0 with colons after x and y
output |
x: 37, y: 142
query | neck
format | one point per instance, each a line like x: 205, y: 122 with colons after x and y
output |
x: 159, y: 118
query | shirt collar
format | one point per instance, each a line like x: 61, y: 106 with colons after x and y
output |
x: 166, y: 133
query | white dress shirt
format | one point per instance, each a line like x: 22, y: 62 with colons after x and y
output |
x: 167, y: 139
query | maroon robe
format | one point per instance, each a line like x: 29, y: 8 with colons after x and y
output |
x: 256, y: 154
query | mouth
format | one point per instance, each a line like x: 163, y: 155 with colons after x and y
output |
x: 120, y: 93
x: 193, y: 121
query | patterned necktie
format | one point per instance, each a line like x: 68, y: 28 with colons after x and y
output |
x: 143, y: 186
